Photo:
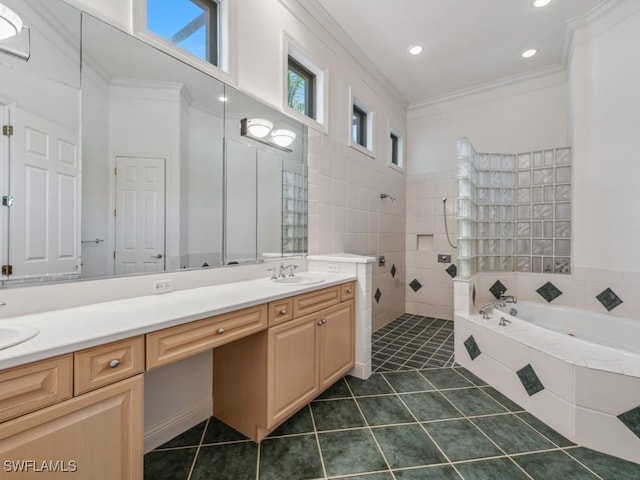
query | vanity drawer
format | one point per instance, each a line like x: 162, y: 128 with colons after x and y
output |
x: 36, y: 385
x: 175, y: 343
x: 312, y: 302
x: 280, y: 311
x: 100, y: 366
x: 347, y: 291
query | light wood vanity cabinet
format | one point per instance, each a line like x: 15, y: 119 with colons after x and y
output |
x: 299, y: 359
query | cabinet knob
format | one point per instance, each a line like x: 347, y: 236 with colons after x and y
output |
x: 283, y: 311
x: 319, y: 322
x: 114, y: 363
x: 220, y: 331
x: 348, y: 290
x: 324, y: 321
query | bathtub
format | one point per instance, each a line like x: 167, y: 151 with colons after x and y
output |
x: 587, y: 365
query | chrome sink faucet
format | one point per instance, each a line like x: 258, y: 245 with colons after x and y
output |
x: 284, y: 268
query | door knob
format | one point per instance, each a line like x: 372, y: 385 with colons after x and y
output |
x: 157, y: 255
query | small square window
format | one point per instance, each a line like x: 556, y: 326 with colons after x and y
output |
x: 192, y: 25
x: 359, y: 126
x: 300, y: 88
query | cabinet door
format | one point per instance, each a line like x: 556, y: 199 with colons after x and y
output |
x: 292, y: 368
x: 336, y: 342
x: 95, y: 436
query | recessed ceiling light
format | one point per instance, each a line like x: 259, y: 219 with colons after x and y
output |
x: 222, y: 98
x: 541, y: 3
x: 529, y: 53
x: 415, y: 49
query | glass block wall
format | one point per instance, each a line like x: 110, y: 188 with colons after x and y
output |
x: 514, y: 211
x: 294, y: 213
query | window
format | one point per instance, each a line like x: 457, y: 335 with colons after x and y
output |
x: 359, y: 126
x: 396, y: 149
x: 301, y: 87
x: 192, y: 25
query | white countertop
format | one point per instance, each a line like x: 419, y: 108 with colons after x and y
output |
x: 72, y: 329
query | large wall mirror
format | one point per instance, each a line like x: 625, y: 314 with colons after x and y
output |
x: 125, y: 160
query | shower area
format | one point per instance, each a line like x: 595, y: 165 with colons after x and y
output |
x: 513, y: 211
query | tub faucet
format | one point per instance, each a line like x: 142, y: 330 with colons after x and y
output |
x: 503, y: 322
x: 484, y: 311
x: 508, y: 299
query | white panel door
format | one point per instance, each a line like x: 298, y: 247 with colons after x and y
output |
x: 140, y: 215
x: 45, y: 183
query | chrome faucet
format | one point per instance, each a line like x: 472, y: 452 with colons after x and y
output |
x: 508, y: 298
x: 503, y: 322
x: 283, y: 269
x: 484, y: 311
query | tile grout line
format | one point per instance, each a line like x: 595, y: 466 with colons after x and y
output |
x: 384, y: 457
x: 426, y: 342
x: 195, y: 457
x: 315, y: 433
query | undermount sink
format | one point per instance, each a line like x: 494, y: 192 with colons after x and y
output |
x: 297, y: 280
x: 11, y: 335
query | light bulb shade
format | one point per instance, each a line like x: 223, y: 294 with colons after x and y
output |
x: 259, y: 127
x: 283, y: 138
x: 10, y: 22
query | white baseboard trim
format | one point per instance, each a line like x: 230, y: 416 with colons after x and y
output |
x: 361, y: 370
x: 159, y: 434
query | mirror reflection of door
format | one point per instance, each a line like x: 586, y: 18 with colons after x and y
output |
x: 45, y: 189
x: 139, y: 215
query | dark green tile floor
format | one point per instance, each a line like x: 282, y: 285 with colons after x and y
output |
x: 429, y: 423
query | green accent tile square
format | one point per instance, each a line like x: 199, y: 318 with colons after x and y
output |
x: 553, y: 466
x: 337, y: 414
x: 168, y: 464
x: 460, y: 440
x: 445, y: 378
x: 470, y: 376
x: 290, y: 457
x: 545, y: 430
x: 233, y: 461
x: 472, y: 401
x: 472, y: 347
x: 605, y: 465
x: 493, y: 469
x: 497, y: 289
x: 512, y: 434
x: 219, y: 432
x: 337, y: 390
x: 502, y: 400
x: 190, y: 438
x: 549, y: 292
x: 301, y: 422
x: 409, y: 381
x: 374, y: 385
x: 429, y: 406
x: 349, y: 452
x: 631, y: 420
x: 384, y: 410
x: 407, y: 446
x: 440, y: 472
x: 530, y: 380
x: 609, y: 299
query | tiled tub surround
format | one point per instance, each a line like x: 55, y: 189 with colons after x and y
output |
x: 588, y: 392
x: 514, y: 211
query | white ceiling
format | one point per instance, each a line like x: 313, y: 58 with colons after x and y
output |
x: 467, y: 43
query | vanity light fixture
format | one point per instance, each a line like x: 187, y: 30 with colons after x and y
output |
x: 541, y: 3
x: 415, y: 49
x: 529, y: 53
x: 258, y: 127
x: 10, y: 22
x: 283, y: 138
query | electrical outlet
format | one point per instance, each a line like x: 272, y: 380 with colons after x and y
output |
x: 333, y: 268
x: 163, y: 286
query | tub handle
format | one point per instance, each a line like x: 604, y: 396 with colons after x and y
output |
x: 503, y: 322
